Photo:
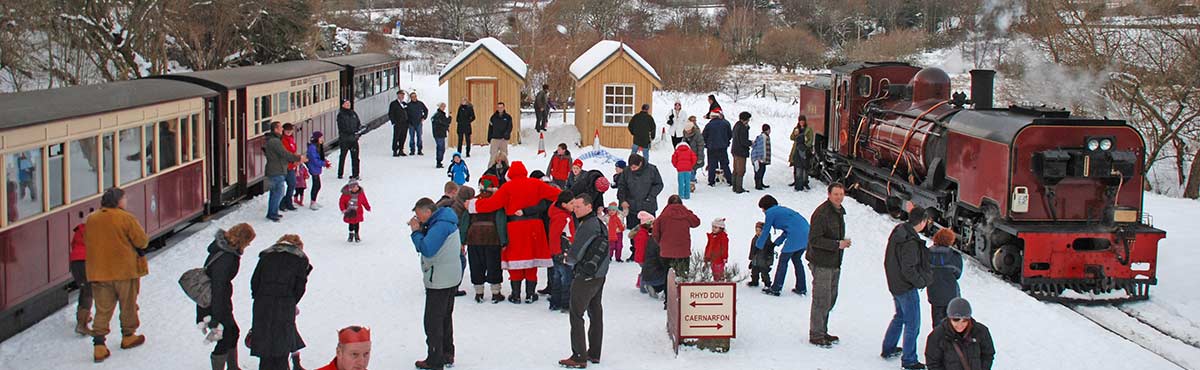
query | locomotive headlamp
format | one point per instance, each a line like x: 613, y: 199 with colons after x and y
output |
x: 1106, y: 144
x: 1093, y: 144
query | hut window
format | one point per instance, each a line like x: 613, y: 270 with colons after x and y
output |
x: 618, y: 104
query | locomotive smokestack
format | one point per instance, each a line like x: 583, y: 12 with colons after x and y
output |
x: 982, y: 81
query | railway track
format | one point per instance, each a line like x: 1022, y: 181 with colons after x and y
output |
x: 1182, y: 352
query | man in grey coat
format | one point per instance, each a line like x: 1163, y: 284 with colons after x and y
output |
x: 435, y: 236
x: 541, y: 108
x: 588, y: 257
x: 639, y: 186
x: 278, y: 158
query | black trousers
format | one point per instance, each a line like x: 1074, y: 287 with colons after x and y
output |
x: 316, y: 186
x: 718, y: 159
x: 352, y: 148
x: 586, y: 296
x: 484, y: 261
x: 464, y: 138
x: 79, y: 274
x: 399, y: 134
x: 543, y: 117
x: 273, y: 363
x: 439, y: 325
x: 354, y: 227
x: 229, y: 334
x: 758, y: 175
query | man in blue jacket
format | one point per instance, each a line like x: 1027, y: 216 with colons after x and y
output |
x: 794, y: 241
x: 417, y: 113
x: 717, y: 135
x: 435, y: 236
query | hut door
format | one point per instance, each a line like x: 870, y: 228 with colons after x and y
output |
x: 483, y: 97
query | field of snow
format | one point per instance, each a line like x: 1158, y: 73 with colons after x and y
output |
x: 376, y: 283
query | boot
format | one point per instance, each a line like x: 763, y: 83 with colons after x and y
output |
x: 515, y: 297
x: 296, y: 361
x: 497, y: 297
x: 218, y: 361
x: 350, y: 237
x: 479, y: 293
x: 231, y: 361
x: 82, y: 318
x: 753, y: 279
x: 531, y: 291
x: 313, y: 205
x: 130, y: 341
x: 357, y: 239
x: 100, y: 353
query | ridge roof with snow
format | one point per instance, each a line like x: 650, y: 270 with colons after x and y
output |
x: 497, y: 49
x: 600, y: 52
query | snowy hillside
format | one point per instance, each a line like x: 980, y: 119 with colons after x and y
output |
x: 375, y: 283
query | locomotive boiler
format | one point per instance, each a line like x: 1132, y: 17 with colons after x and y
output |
x: 1039, y: 196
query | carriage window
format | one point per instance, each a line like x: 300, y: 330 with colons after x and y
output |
x: 256, y: 116
x: 106, y: 156
x: 315, y: 92
x: 168, y: 131
x: 282, y: 102
x: 266, y: 106
x: 84, y: 165
x: 363, y: 85
x: 24, y: 184
x: 327, y: 88
x: 129, y: 143
x: 185, y: 140
x: 54, y: 168
x: 618, y: 104
x: 151, y: 157
x: 197, y: 138
x: 864, y: 86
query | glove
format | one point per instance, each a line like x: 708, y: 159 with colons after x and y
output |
x: 203, y: 325
x: 215, y: 334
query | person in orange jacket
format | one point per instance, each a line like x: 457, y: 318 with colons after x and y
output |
x: 717, y: 251
x: 353, y: 203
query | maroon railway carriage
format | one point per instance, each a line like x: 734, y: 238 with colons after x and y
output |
x: 61, y: 147
x: 1051, y: 201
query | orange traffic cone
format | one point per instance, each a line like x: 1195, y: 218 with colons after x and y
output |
x: 541, y: 143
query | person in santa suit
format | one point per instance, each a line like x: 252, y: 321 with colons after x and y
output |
x: 527, y: 248
x: 353, y: 349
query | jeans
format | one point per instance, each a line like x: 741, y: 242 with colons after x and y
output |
x: 685, y: 185
x: 824, y: 296
x: 464, y: 138
x: 560, y: 283
x: 908, y: 319
x: 800, y: 176
x: 645, y: 151
x: 276, y: 185
x: 415, y: 143
x: 439, y: 325
x: 797, y: 260
x: 440, y: 151
x: 718, y: 159
x: 290, y: 181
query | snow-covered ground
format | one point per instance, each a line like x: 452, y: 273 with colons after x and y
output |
x: 376, y: 283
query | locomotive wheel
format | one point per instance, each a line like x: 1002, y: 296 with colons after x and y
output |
x: 1006, y: 260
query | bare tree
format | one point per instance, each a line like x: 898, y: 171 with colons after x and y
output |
x: 740, y: 33
x: 606, y: 17
x: 789, y: 48
x: 218, y: 42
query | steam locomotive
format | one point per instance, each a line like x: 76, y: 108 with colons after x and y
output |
x: 1050, y: 201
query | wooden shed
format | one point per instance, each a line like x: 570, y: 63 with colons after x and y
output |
x: 486, y: 73
x: 611, y: 83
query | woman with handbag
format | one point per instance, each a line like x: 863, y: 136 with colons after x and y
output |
x: 216, y: 321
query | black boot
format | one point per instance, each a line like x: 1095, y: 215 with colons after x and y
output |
x: 531, y: 291
x: 350, y: 239
x: 356, y: 238
x: 515, y: 297
x: 753, y: 279
x: 218, y: 361
x: 231, y: 361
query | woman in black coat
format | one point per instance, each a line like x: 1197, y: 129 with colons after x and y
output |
x: 277, y: 286
x: 466, y: 115
x: 221, y: 266
x: 960, y: 343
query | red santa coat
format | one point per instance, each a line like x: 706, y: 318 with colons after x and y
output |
x: 363, y: 205
x: 527, y: 245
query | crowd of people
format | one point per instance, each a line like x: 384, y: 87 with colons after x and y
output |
x: 520, y: 221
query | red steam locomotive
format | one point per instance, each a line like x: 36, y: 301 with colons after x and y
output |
x: 1050, y: 201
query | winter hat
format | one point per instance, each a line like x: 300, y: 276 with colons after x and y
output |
x: 645, y: 217
x: 577, y: 163
x: 959, y: 308
x: 601, y: 184
x: 537, y: 174
x: 317, y: 135
x: 683, y: 144
x: 621, y: 163
x: 720, y: 222
x: 489, y: 181
x: 353, y: 182
x: 612, y: 206
x: 354, y: 334
x: 456, y: 154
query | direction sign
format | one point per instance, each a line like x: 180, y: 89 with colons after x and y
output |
x: 707, y: 310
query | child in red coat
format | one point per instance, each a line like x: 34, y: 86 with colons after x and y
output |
x: 616, y: 227
x: 717, y: 251
x: 301, y: 184
x: 353, y: 204
x: 684, y: 161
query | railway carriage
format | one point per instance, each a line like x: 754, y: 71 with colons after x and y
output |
x: 61, y: 147
x: 371, y: 81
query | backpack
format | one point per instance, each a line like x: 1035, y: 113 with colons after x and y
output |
x: 197, y: 285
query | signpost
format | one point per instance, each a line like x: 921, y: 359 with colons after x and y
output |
x: 703, y: 310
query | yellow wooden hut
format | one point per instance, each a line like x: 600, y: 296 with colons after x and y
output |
x: 486, y: 72
x: 611, y: 83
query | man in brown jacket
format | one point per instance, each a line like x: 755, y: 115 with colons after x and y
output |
x: 115, y: 264
x: 827, y: 243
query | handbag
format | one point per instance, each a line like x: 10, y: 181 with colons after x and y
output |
x: 197, y: 285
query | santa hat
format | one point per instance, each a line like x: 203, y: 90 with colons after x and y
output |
x: 645, y: 217
x: 601, y: 184
x: 489, y: 181
x: 720, y: 222
x: 577, y: 163
x: 354, y: 334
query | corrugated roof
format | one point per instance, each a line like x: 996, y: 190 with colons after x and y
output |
x: 361, y: 60
x: 234, y: 78
x: 33, y: 107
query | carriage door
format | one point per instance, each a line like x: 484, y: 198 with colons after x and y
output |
x: 232, y: 149
x: 483, y: 97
